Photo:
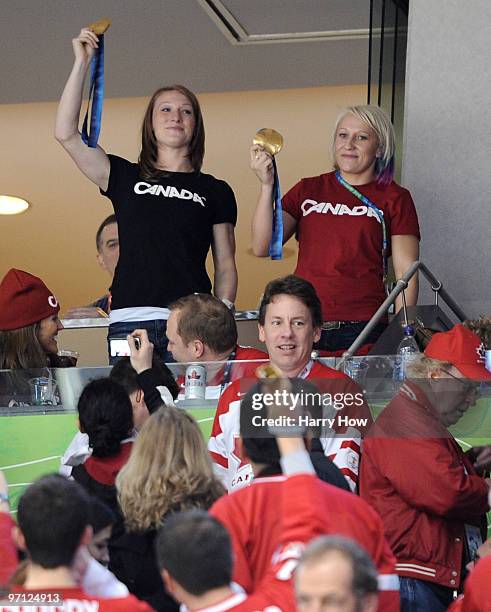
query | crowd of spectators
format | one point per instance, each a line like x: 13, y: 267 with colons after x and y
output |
x: 396, y: 516
x: 301, y: 502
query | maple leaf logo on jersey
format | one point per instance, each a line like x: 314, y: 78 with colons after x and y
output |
x: 481, y: 353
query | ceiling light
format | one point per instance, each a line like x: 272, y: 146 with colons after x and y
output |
x: 11, y: 205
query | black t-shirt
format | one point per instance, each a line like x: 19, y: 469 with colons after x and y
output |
x: 165, y: 232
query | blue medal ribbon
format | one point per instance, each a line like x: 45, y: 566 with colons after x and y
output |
x: 276, y: 244
x: 96, y: 93
x: 380, y: 216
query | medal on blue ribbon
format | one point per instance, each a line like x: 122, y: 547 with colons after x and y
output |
x: 272, y: 141
x: 96, y: 88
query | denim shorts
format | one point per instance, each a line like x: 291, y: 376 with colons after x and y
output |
x: 344, y: 336
x: 156, y: 334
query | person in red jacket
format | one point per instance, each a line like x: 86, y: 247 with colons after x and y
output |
x: 416, y: 476
x: 251, y: 517
x: 196, y: 557
x: 53, y: 517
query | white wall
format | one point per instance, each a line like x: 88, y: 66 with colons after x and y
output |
x: 447, y: 150
x: 55, y: 239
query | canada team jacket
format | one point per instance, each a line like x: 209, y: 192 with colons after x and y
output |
x: 252, y: 518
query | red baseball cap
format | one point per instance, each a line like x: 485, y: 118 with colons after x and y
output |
x: 24, y: 300
x: 463, y: 349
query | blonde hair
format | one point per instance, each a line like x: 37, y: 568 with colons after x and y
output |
x: 422, y: 366
x: 169, y: 469
x: 379, y: 121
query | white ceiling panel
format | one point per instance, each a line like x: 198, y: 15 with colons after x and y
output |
x: 278, y: 16
x: 153, y: 42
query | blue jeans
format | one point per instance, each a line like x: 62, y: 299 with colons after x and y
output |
x: 156, y: 334
x: 343, y: 338
x: 417, y: 596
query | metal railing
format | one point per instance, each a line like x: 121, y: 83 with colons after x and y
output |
x: 400, y: 287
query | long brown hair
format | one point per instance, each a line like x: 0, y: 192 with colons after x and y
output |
x: 169, y: 469
x: 21, y: 349
x: 148, y: 155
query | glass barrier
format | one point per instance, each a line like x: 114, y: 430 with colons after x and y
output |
x: 57, y: 390
x: 38, y: 416
x: 44, y: 390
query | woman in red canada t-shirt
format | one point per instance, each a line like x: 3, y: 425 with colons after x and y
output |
x: 348, y: 223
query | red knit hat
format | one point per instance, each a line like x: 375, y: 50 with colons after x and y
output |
x: 463, y: 349
x: 24, y: 300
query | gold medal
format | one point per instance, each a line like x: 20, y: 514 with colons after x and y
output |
x: 270, y: 139
x: 268, y: 370
x: 99, y: 27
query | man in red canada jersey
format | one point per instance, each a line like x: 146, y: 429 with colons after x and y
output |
x: 290, y: 319
x: 250, y: 514
x: 188, y: 541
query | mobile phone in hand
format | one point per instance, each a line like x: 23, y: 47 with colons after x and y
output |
x: 119, y: 347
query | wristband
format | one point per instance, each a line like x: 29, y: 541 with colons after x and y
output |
x: 298, y: 462
x: 4, y: 498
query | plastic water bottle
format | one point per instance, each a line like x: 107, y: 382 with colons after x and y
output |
x: 406, y: 352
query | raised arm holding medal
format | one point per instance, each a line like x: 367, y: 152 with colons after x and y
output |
x: 169, y: 213
x: 348, y: 222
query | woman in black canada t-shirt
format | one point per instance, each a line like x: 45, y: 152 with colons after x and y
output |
x: 169, y: 213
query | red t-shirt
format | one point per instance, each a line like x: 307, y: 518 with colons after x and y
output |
x: 299, y: 520
x: 340, y: 241
x: 8, y: 552
x: 252, y: 517
x: 70, y: 599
